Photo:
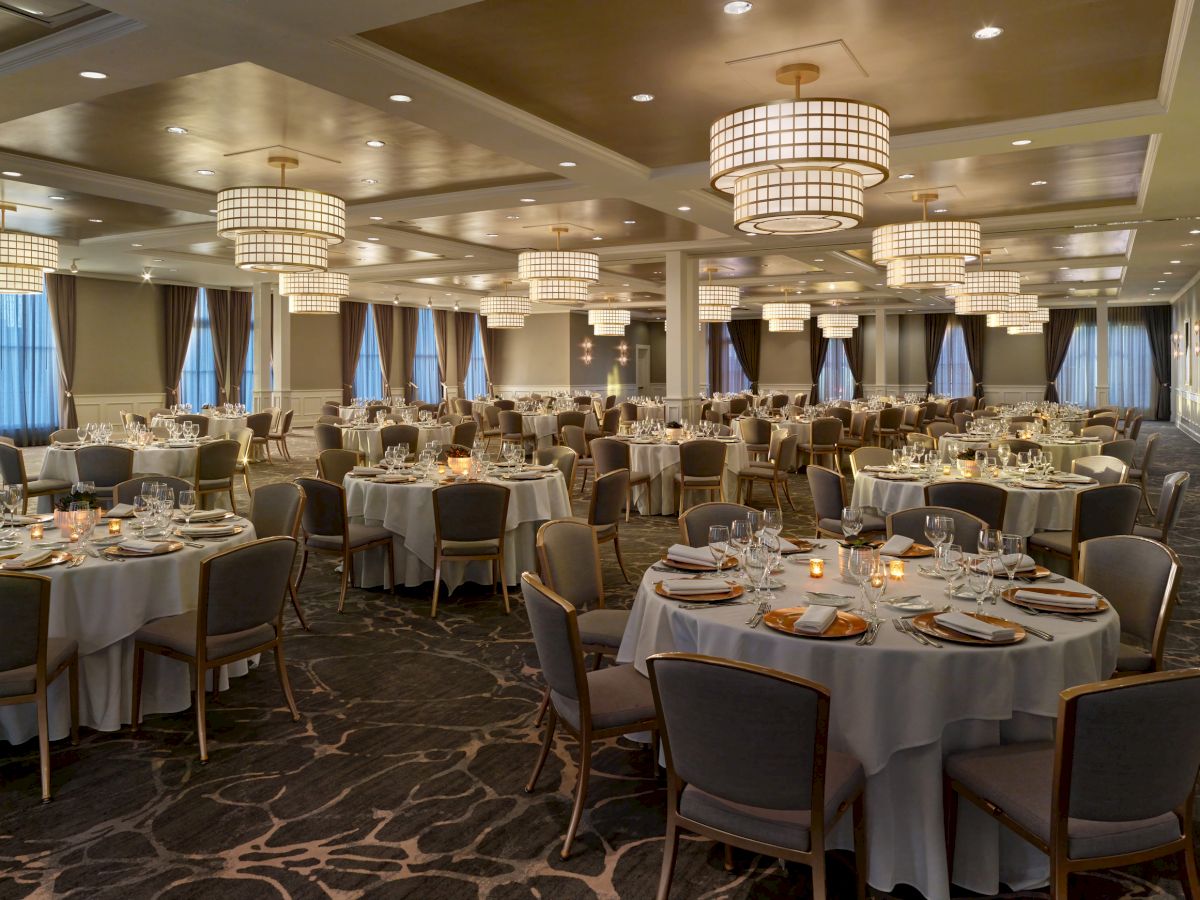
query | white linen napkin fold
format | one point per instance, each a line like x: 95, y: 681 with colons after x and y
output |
x: 815, y: 619
x: 895, y: 545
x: 29, y: 558
x: 120, y: 511
x: 698, y: 555
x: 683, y: 586
x: 527, y: 476
x: 201, y: 515
x: 141, y: 545
x: 996, y: 565
x: 786, y: 546
x: 212, y: 530
x: 964, y: 624
x: 394, y: 479
x: 1057, y: 600
x: 366, y: 470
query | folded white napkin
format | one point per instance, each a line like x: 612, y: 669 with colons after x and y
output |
x: 895, y: 545
x: 394, y: 479
x: 366, y: 470
x: 29, y: 558
x: 29, y: 520
x: 879, y: 468
x: 695, y: 586
x: 964, y: 624
x: 697, y: 555
x: 212, y: 530
x: 141, y: 545
x: 527, y: 476
x: 201, y: 515
x: 815, y: 619
x: 996, y: 565
x: 120, y: 511
x: 1057, y: 600
x: 786, y: 546
x: 1071, y: 478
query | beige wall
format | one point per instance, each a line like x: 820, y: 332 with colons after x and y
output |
x: 119, y: 346
x: 316, y: 354
x: 1016, y: 359
x: 783, y: 358
x: 537, y: 354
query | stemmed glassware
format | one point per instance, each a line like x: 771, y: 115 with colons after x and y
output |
x: 935, y: 530
x: 875, y: 585
x: 978, y: 574
x: 739, y: 537
x: 1013, y: 548
x: 758, y: 568
x: 187, y: 505
x: 718, y: 543
x: 991, y: 544
x: 859, y: 565
x: 851, y: 521
x: 949, y: 566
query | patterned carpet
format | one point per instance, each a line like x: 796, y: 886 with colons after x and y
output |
x: 404, y: 776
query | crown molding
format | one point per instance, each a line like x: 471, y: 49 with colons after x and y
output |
x: 95, y: 31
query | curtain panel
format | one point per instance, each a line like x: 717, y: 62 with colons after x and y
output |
x: 441, y: 324
x: 1059, y: 331
x: 180, y: 304
x: 745, y: 335
x: 219, y: 318
x: 974, y: 332
x: 716, y: 383
x: 408, y: 347
x: 241, y: 305
x: 385, y: 334
x: 854, y: 347
x: 1158, y: 330
x: 60, y: 296
x: 487, y: 340
x: 818, y: 348
x: 464, y: 337
x: 353, y: 322
x: 935, y: 336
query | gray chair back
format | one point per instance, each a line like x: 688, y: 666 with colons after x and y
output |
x: 1136, y: 428
x: 285, y: 425
x: 825, y: 431
x: 754, y: 430
x: 779, y: 401
x: 890, y: 418
x: 556, y: 637
x: 464, y: 433
x: 911, y: 524
x: 608, y: 497
x: 1138, y: 576
x: 275, y: 509
x: 629, y: 412
x: 245, y: 586
x: 610, y: 455
x: 105, y: 465
x: 562, y: 457
x: 1018, y: 445
x: 491, y: 415
x: 936, y: 429
x: 1148, y: 454
x: 712, y: 709
x: 571, y: 417
x: 12, y: 465
x: 25, y: 611
x: 1104, y: 432
x: 569, y: 562
x: 335, y: 465
x: 328, y: 420
x: 400, y: 435
x: 260, y: 425
x: 1106, y: 509
x: 470, y: 512
x: 828, y: 495
x: 331, y: 409
x: 511, y: 422
x: 1104, y: 419
x: 66, y: 435
x: 133, y: 487
x: 842, y: 414
x: 503, y: 405
x: 217, y: 460
x: 1123, y: 450
x: 463, y: 406
x: 328, y: 436
x: 573, y: 436
x: 324, y: 507
x: 961, y: 419
x: 612, y: 421
x: 1105, y: 469
x: 696, y: 520
x: 800, y: 400
x: 200, y: 421
x: 701, y: 459
x: 738, y: 405
x: 869, y: 456
x: 1170, y: 501
x: 984, y: 501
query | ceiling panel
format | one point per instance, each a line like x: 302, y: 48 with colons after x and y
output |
x: 1057, y: 276
x: 21, y: 22
x: 1017, y: 248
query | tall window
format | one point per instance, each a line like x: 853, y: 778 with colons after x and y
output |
x: 1130, y: 365
x: 247, y: 396
x: 953, y: 375
x: 368, y: 376
x: 1077, y: 380
x: 475, y: 384
x: 28, y: 369
x: 425, y: 362
x: 733, y: 376
x: 836, y: 381
x: 198, y: 384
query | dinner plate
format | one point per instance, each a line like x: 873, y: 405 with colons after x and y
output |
x: 918, y: 605
x: 728, y: 563
x: 735, y: 591
x: 118, y: 550
x: 1036, y: 572
x: 846, y: 624
x: 58, y: 556
x: 925, y: 624
x: 1039, y: 485
x: 916, y: 551
x: 1010, y: 596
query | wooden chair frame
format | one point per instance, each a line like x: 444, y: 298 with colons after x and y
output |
x: 496, y: 559
x: 346, y: 554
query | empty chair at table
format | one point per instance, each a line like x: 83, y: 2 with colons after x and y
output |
x: 787, y: 800
x: 326, y: 528
x: 779, y: 401
x: 1099, y: 512
x: 887, y: 426
x: 279, y: 438
x: 275, y: 511
x: 328, y: 436
x: 1135, y: 428
x: 1020, y: 445
x: 937, y: 430
x: 590, y: 706
x: 604, y: 511
x: 469, y: 521
x: 611, y: 423
x: 911, y: 524
x: 864, y: 436
x: 629, y: 412
x: 823, y: 436
x: 260, y: 432
x: 216, y: 464
x: 843, y: 414
x: 463, y: 406
x: 464, y: 434
x: 512, y: 427
x: 695, y: 522
x: 1123, y: 449
x: 1105, y: 469
x: 914, y: 419
x: 773, y: 472
x: 984, y: 501
x: 489, y: 423
x: 400, y: 436
x: 572, y: 436
x: 129, y: 419
x: 106, y: 466
x: 335, y: 465
x: 64, y: 436
x: 701, y: 469
x: 329, y: 420
x: 924, y: 441
x: 570, y: 417
x: 1113, y: 788
x: 756, y: 433
x: 962, y: 420
x: 31, y: 660
x: 331, y: 409
x: 200, y: 422
x: 133, y: 487
x: 1103, y: 432
x: 609, y: 456
x: 1139, y: 577
x: 829, y: 498
x: 1170, y: 507
x: 1126, y: 420
x: 1139, y: 472
x: 12, y: 472
x: 869, y: 456
x: 503, y: 405
x: 1108, y: 419
x: 239, y: 614
x: 562, y: 458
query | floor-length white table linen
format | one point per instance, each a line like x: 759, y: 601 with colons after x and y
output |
x: 651, y: 411
x: 660, y: 461
x: 900, y: 708
x: 369, y: 441
x: 1060, y: 453
x: 406, y: 510
x: 226, y: 426
x: 59, y: 464
x: 100, y: 605
x: 543, y: 427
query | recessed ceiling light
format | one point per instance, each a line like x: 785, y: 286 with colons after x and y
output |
x: 1194, y: 231
x: 205, y: 172
x: 469, y: 256
x: 625, y: 284
x: 1037, y: 183
x: 370, y: 181
x: 1022, y: 142
x: 1168, y: 273
x: 491, y: 234
x: 738, y: 7
x: 11, y: 174
x: 135, y: 245
x: 510, y: 218
x: 1176, y: 262
x: 528, y: 200
x: 642, y: 98
x: 684, y: 208
x: 376, y: 218
x: 597, y: 238
x: 400, y: 98
x: 1059, y: 247
x: 815, y: 259
x: 374, y: 143
x: 987, y: 32
x: 57, y: 197
x: 97, y: 221
x: 567, y: 164
x: 175, y: 129
x: 213, y: 211
x: 1162, y: 281
x: 940, y: 209
x: 156, y: 260
x: 631, y: 221
x: 93, y: 75
x: 372, y: 239
x: 907, y: 175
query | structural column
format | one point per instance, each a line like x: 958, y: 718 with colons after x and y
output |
x: 684, y: 340
x: 1101, y: 351
x: 272, y: 347
x: 880, y: 386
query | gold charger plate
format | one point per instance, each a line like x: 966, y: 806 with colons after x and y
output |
x: 926, y: 625
x: 1040, y: 485
x: 1036, y: 572
x: 735, y: 591
x: 916, y: 551
x: 846, y: 624
x: 728, y: 563
x: 802, y: 545
x: 58, y: 556
x: 1010, y: 596
x: 172, y: 547
x: 233, y: 529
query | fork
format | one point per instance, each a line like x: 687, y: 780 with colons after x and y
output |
x: 1053, y: 615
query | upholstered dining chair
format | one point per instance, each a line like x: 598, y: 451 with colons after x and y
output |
x: 260, y: 432
x: 325, y: 528
x: 773, y: 472
x: 701, y: 468
x: 503, y: 405
x: 1115, y: 786
x: 696, y: 520
x: 1125, y: 420
x: 64, y: 435
x: 200, y: 422
x: 1104, y: 418
x: 1123, y: 449
x: 782, y: 806
x: 823, y: 436
x: 328, y: 420
x: 328, y: 436
x: 611, y: 423
x: 238, y: 614
x: 400, y: 436
x: 756, y: 433
x: 610, y: 455
x: 1170, y: 507
x: 106, y: 466
x: 914, y: 419
x: 590, y: 706
x: 1104, y: 432
x: 573, y: 436
x: 331, y: 409
x: 888, y: 425
x: 570, y: 417
x: 1099, y: 512
x: 1135, y: 428
x: 843, y: 414
x: 463, y: 406
x: 1105, y: 469
x: 512, y: 427
x: 12, y: 471
x: 937, y: 430
x: 604, y: 511
x: 916, y: 439
x: 828, y: 491
x: 988, y: 502
x: 31, y: 660
x: 275, y: 511
x: 1020, y: 445
x: 629, y: 412
x: 216, y: 464
x: 133, y: 487
x: 869, y: 456
x: 911, y: 524
x: 464, y: 433
x: 279, y: 438
x: 1139, y: 472
x: 864, y: 422
x: 469, y: 521
x: 562, y: 458
x: 1139, y: 576
x: 129, y: 419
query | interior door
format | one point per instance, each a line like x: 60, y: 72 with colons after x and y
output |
x: 642, y: 368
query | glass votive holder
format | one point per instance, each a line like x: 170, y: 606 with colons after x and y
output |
x: 114, y: 526
x: 896, y: 569
x: 37, y: 531
x: 816, y: 568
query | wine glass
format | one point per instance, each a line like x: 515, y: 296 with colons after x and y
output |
x: 1013, y: 546
x: 772, y: 521
x: 1004, y: 452
x: 874, y: 587
x: 187, y: 505
x: 757, y: 569
x: 949, y: 566
x: 143, y: 508
x: 739, y: 537
x: 859, y: 565
x: 718, y: 543
x: 851, y: 521
x: 979, y: 580
x: 935, y: 531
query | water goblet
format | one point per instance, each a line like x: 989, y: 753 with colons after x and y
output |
x: 851, y: 521
x: 718, y: 543
x: 187, y: 505
x: 1013, y: 546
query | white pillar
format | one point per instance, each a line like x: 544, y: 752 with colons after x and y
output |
x: 880, y: 385
x: 272, y: 348
x: 1101, y: 351
x: 684, y: 340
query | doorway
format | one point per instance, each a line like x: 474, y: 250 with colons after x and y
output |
x: 641, y: 368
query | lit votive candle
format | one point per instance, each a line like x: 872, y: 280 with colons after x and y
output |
x: 896, y: 569
x: 36, y: 531
x: 816, y: 568
x: 946, y: 469
x: 114, y: 526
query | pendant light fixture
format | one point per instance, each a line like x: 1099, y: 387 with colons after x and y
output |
x: 925, y: 254
x: 505, y: 310
x: 837, y: 325
x: 608, y: 320
x: 717, y: 300
x: 281, y: 229
x: 314, y: 293
x: 784, y: 316
x: 559, y: 291
x: 986, y: 291
x: 558, y: 276
x: 24, y: 258
x: 799, y: 166
x: 1019, y: 307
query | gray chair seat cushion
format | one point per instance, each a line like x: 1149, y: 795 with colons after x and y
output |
x: 18, y: 682
x: 699, y: 480
x: 758, y: 448
x: 782, y: 827
x: 604, y: 627
x: 178, y: 633
x: 1150, y: 531
x: 1131, y: 658
x: 470, y: 548
x: 46, y: 485
x: 602, y: 531
x: 212, y: 484
x: 1059, y: 541
x: 620, y: 696
x: 1019, y: 778
x: 759, y: 470
x: 359, y: 535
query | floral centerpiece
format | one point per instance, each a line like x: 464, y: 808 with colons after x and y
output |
x: 673, y: 431
x: 458, y: 460
x: 62, y: 507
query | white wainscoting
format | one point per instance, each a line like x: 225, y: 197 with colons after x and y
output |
x: 994, y: 393
x: 107, y: 407
x: 1185, y: 412
x: 621, y: 390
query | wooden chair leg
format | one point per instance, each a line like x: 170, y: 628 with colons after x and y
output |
x: 547, y: 741
x: 775, y: 494
x: 787, y: 492
x: 728, y: 857
x: 437, y: 581
x: 303, y: 566
x: 670, y: 850
x: 281, y: 667
x: 43, y: 717
x: 73, y: 689
x: 347, y: 565
x: 201, y: 694
x: 1187, y: 874
x: 616, y: 542
x: 585, y: 769
x: 391, y: 567
x: 139, y: 668
x: 543, y: 708
x: 296, y: 606
x: 232, y: 501
x: 503, y: 584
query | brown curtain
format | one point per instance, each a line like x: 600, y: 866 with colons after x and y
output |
x: 487, y: 337
x: 241, y: 312
x: 1059, y: 331
x: 1158, y: 330
x: 409, y: 316
x: 385, y: 333
x: 853, y: 346
x: 746, y: 337
x: 935, y: 336
x: 464, y: 337
x: 441, y: 322
x: 180, y: 303
x: 716, y: 376
x: 353, y: 320
x: 818, y: 347
x: 219, y: 314
x: 60, y: 296
x: 974, y: 331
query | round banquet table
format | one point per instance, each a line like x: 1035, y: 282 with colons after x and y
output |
x: 544, y: 426
x: 1060, y: 453
x: 368, y: 441
x: 652, y: 411
x: 225, y: 426
x: 900, y: 707
x: 406, y: 510
x: 59, y: 464
x: 100, y: 605
x: 660, y: 460
x: 1029, y: 509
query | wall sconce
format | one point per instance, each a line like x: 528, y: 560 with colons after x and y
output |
x: 587, y: 351
x: 1176, y: 344
x: 622, y: 353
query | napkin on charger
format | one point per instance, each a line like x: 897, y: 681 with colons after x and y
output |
x: 120, y: 511
x: 964, y: 624
x: 141, y: 545
x: 700, y: 556
x: 215, y: 529
x: 201, y: 515
x: 815, y: 620
x: 682, y: 586
x: 896, y: 545
x: 996, y: 564
x: 29, y: 559
x: 1057, y: 600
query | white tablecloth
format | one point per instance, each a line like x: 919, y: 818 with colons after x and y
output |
x: 100, y: 605
x: 652, y: 411
x: 407, y: 511
x: 661, y: 463
x: 225, y: 426
x: 368, y: 441
x: 1061, y: 455
x: 1028, y: 509
x: 59, y: 464
x: 544, y: 426
x: 900, y: 707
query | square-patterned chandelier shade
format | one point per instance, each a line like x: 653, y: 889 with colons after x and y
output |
x: 281, y: 209
x: 302, y: 305
x: 21, y: 280
x: 560, y: 291
x: 1019, y: 317
x: 573, y: 265
x: 608, y: 330
x: 23, y: 260
x: 798, y: 201
x: 835, y: 332
x: 719, y: 295
x: 269, y: 251
x: 837, y: 320
x: 315, y: 284
x: 718, y: 312
x: 505, y: 304
x: 1023, y: 303
x: 926, y: 272
x: 1025, y: 329
x: 608, y: 315
x: 792, y: 325
x: 987, y: 282
x: 907, y: 240
x: 773, y: 311
x: 504, y: 320
x: 981, y: 304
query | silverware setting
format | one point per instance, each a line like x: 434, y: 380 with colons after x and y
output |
x: 1045, y: 612
x: 698, y: 606
x: 868, y: 636
x: 904, y: 626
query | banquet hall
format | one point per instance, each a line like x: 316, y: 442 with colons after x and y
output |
x: 499, y: 449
